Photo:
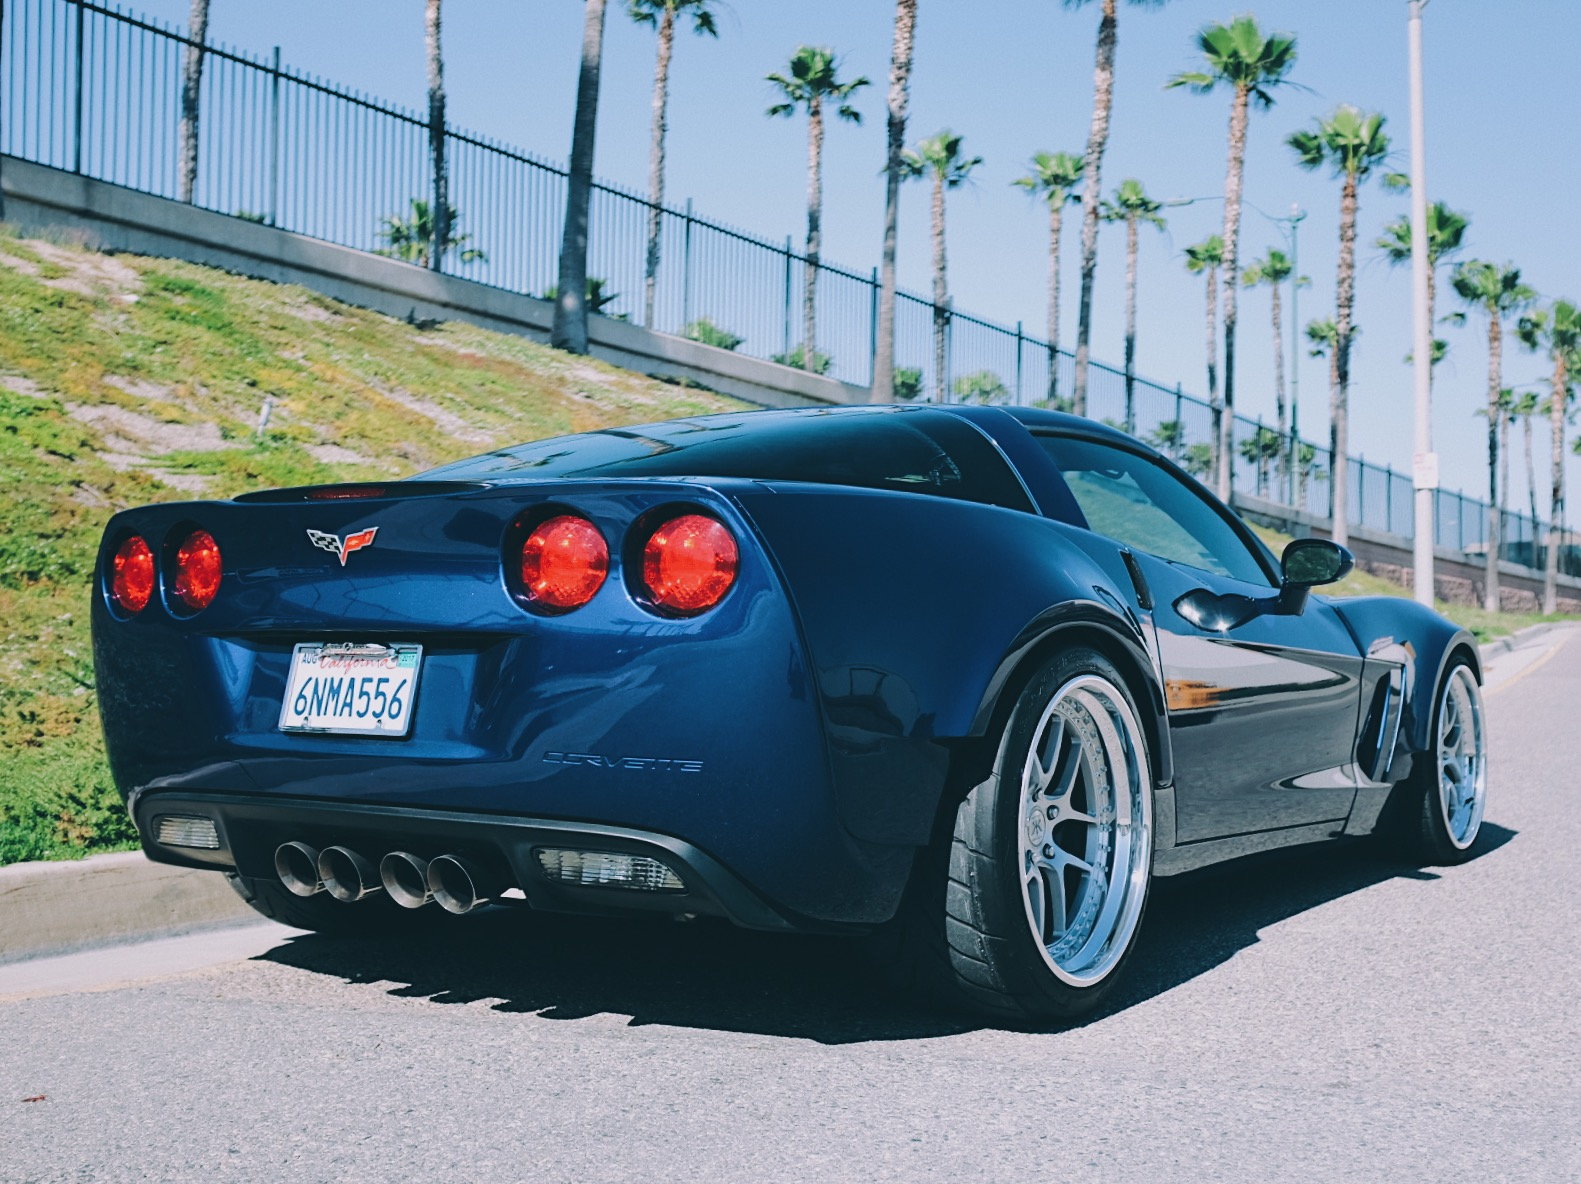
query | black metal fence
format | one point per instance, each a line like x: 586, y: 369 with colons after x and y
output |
x: 95, y: 89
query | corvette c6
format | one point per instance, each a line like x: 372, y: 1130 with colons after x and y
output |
x: 964, y: 679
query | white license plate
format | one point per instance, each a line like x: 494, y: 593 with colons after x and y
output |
x: 352, y: 688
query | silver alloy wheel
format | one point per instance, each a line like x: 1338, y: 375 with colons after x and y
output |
x: 1462, y: 758
x: 1087, y: 830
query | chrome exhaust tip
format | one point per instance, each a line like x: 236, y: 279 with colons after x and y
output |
x: 296, y: 864
x: 458, y: 884
x: 405, y: 878
x: 347, y: 875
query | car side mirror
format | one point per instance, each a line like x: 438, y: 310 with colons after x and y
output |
x: 1308, y: 564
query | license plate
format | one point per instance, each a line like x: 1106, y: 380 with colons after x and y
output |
x: 351, y: 688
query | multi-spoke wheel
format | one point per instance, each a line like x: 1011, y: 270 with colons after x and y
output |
x: 1050, y: 858
x: 1448, y: 789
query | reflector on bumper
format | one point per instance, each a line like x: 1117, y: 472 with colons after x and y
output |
x: 186, y: 830
x: 608, y: 869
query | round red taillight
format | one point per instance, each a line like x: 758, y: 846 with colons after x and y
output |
x: 564, y: 562
x: 132, y: 575
x: 689, y: 563
x: 197, y: 570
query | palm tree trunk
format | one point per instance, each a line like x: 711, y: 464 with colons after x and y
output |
x: 1130, y: 323
x: 191, y: 92
x: 1531, y: 478
x: 899, y: 93
x: 1279, y: 386
x: 661, y: 108
x: 1556, y: 419
x: 1214, y: 409
x: 1339, y: 436
x: 1490, y: 589
x: 570, y: 309
x: 1092, y: 187
x: 941, y: 295
x: 440, y: 215
x: 1232, y: 277
x: 809, y: 300
x: 1056, y: 227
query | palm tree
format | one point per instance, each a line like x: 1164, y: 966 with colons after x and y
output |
x: 436, y: 129
x: 570, y: 306
x: 1446, y: 235
x: 1353, y: 143
x: 1527, y: 406
x: 1260, y: 449
x: 812, y: 81
x: 663, y: 14
x: 1274, y: 269
x: 899, y: 98
x: 1322, y: 335
x: 1131, y: 204
x: 1251, y: 64
x: 1205, y: 258
x: 941, y: 160
x: 1092, y: 170
x: 413, y: 238
x: 1557, y: 330
x: 191, y: 91
x: 1054, y: 178
x: 1495, y: 291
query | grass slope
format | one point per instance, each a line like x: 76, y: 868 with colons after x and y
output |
x: 126, y: 380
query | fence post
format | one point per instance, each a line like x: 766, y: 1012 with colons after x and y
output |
x: 787, y: 295
x: 274, y: 137
x: 1020, y: 337
x: 872, y: 331
x: 949, y: 351
x: 76, y: 116
x: 1388, y: 498
x: 686, y: 268
x: 1180, y: 422
x: 1460, y: 521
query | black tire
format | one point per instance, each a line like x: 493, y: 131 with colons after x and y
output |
x: 1429, y: 830
x: 965, y: 930
x: 377, y: 916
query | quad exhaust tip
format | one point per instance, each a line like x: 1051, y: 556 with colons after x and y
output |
x: 297, y: 866
x: 458, y: 884
x: 347, y: 875
x: 405, y: 878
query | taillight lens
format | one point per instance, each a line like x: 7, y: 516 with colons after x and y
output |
x: 132, y: 575
x: 689, y: 563
x: 564, y: 562
x: 197, y: 570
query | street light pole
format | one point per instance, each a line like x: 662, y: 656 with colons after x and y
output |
x: 1424, y: 469
x: 1294, y: 443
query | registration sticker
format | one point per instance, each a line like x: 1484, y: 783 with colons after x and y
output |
x: 353, y: 688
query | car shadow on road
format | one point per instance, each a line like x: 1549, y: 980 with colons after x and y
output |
x: 709, y: 975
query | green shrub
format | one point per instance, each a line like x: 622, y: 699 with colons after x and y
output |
x: 982, y: 387
x: 796, y: 359
x: 907, y: 384
x: 705, y: 332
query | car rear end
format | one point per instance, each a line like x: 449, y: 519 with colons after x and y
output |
x: 589, y: 693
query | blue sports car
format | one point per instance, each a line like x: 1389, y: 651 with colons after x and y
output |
x: 961, y: 678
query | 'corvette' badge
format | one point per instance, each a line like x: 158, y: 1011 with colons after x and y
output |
x: 343, y: 546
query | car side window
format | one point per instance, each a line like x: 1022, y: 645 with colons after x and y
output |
x: 1141, y: 504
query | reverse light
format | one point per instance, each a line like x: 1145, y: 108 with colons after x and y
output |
x: 197, y: 575
x: 186, y: 830
x: 132, y: 575
x: 563, y: 563
x: 608, y: 869
x: 689, y: 563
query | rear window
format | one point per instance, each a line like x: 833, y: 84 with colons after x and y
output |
x: 914, y: 450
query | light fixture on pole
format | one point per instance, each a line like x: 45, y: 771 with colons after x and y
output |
x: 1424, y: 467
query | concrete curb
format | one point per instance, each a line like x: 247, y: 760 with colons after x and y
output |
x: 54, y: 908
x: 1503, y: 645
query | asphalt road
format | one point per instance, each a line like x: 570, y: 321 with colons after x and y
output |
x: 1318, y: 1015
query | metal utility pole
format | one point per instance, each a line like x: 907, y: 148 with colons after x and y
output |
x: 1294, y: 443
x: 1424, y: 469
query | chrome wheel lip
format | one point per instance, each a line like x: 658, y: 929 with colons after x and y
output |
x: 1461, y: 758
x: 1117, y: 845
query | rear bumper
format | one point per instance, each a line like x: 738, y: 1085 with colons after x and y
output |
x: 250, y: 828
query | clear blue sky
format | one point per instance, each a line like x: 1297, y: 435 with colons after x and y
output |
x: 1015, y: 76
